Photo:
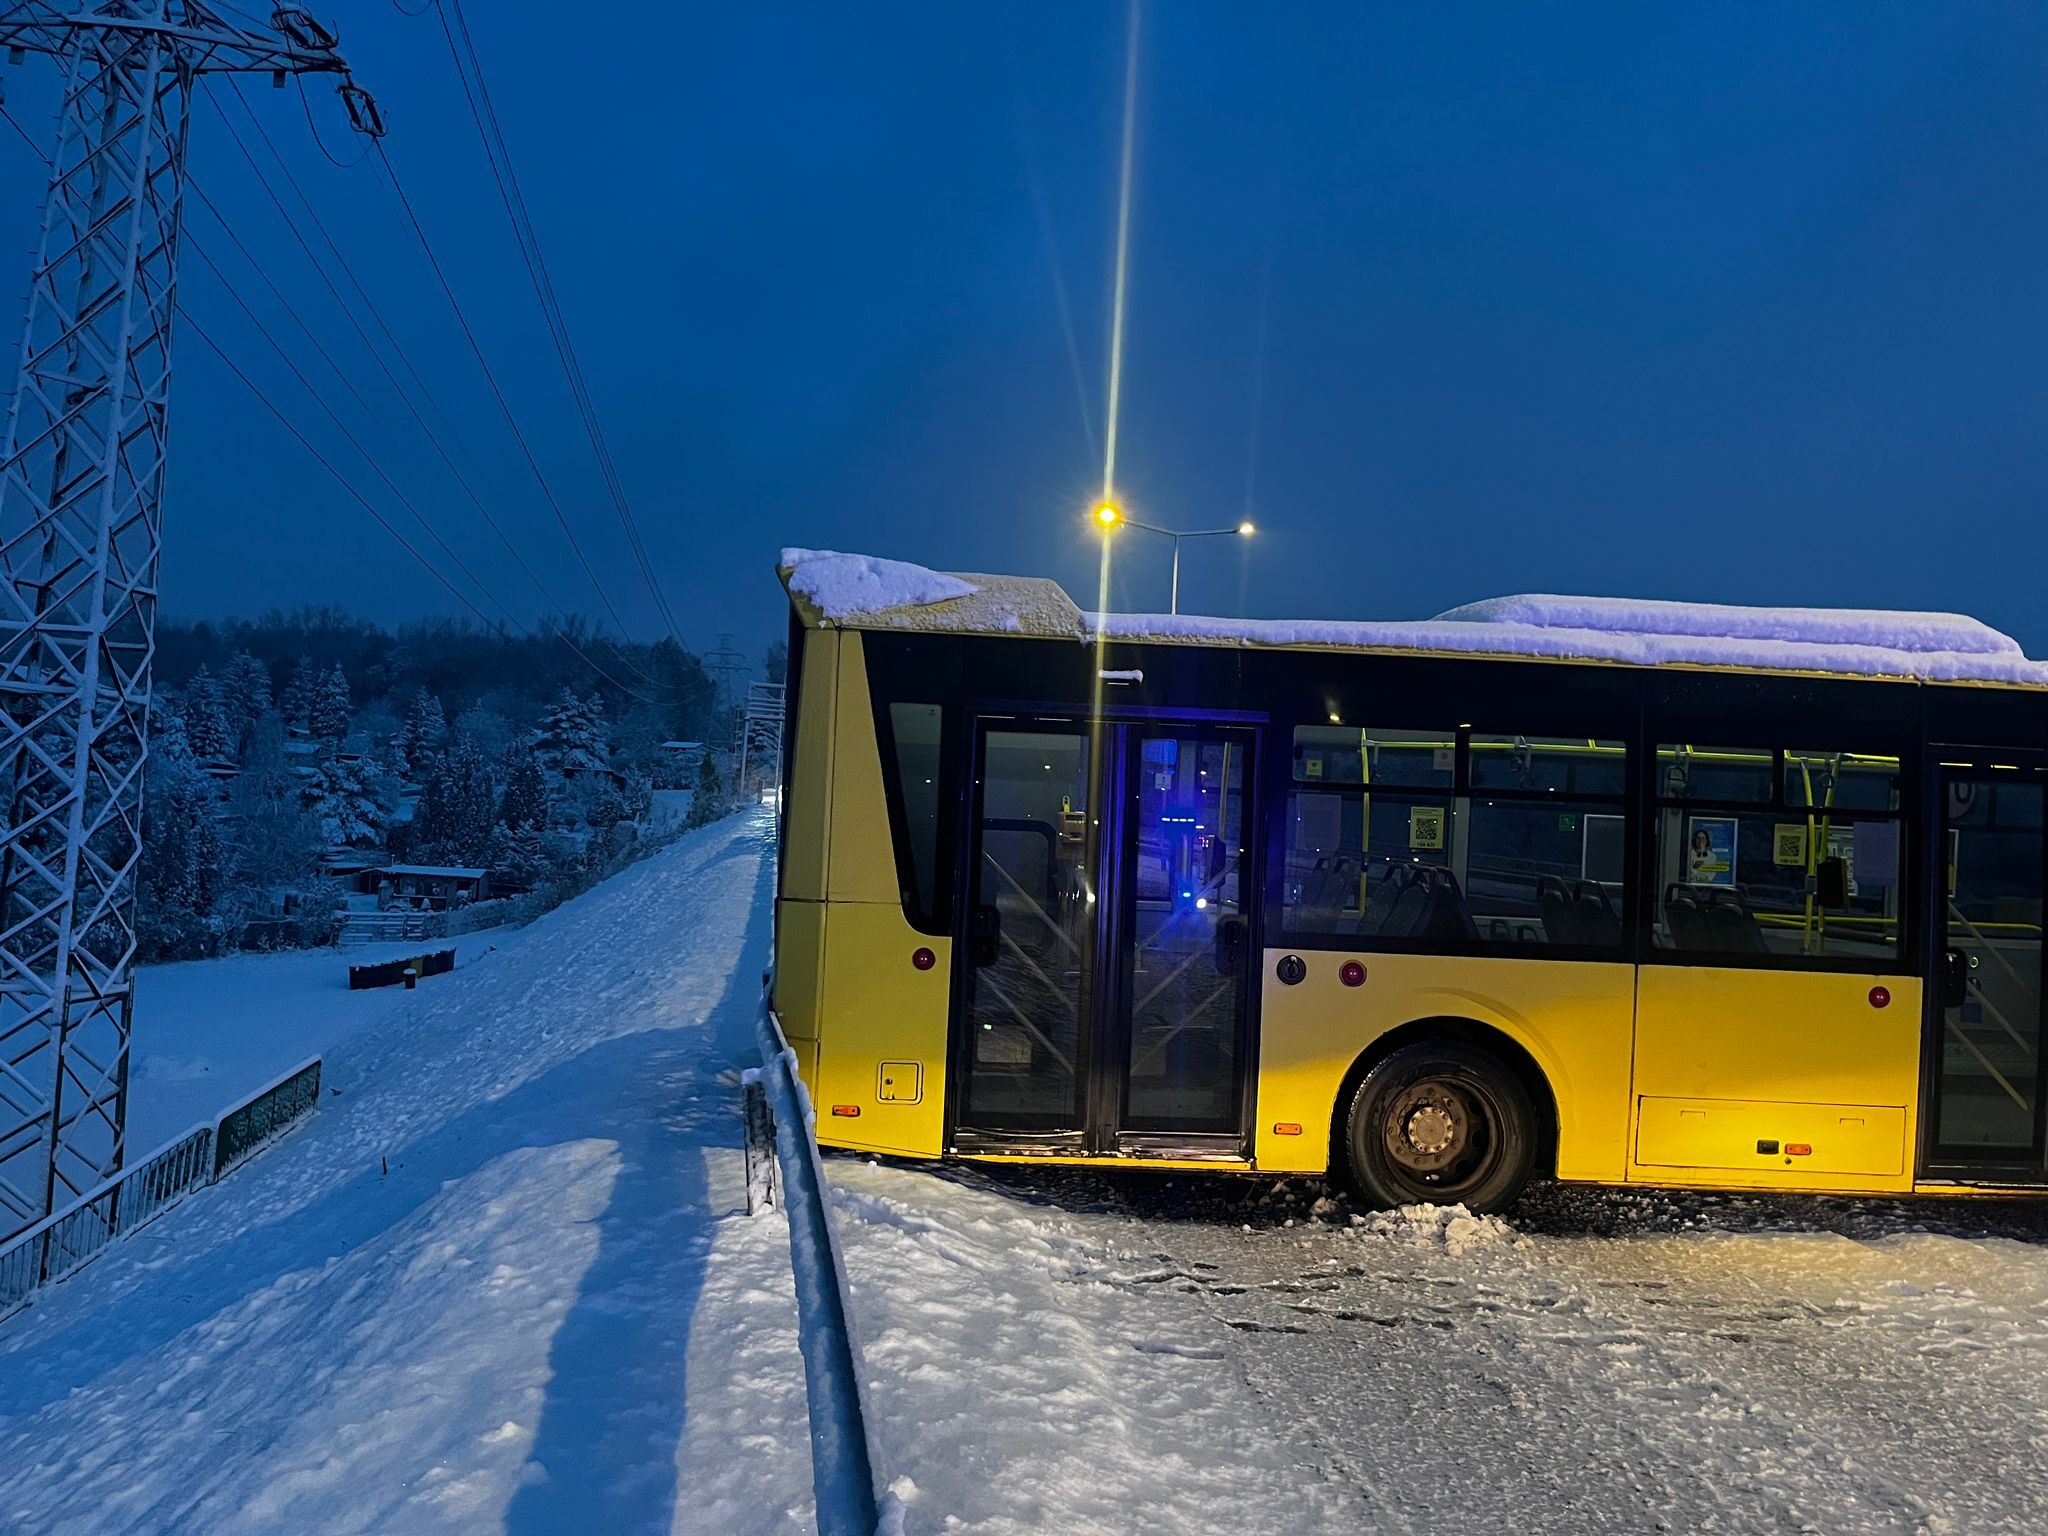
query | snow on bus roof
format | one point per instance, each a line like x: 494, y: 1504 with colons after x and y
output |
x: 1933, y: 647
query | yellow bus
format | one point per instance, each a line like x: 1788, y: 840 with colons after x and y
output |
x: 1660, y: 894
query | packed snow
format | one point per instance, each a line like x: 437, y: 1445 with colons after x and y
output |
x: 1092, y: 1352
x: 844, y: 585
x: 503, y: 1279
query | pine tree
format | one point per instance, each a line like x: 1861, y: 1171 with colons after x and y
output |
x: 327, y: 711
x: 421, y: 736
x: 572, y: 740
x: 208, y: 735
x: 525, y: 802
x: 245, y: 692
x: 184, y: 872
x: 457, y: 809
x: 518, y: 853
x: 297, y: 702
x: 341, y: 795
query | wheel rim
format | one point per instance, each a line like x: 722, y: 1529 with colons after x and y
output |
x: 1439, y: 1134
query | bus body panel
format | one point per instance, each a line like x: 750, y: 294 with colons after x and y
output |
x: 1574, y: 1018
x: 885, y: 1053
x: 1729, y: 1061
x: 808, y: 795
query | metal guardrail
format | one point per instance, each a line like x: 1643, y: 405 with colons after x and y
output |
x: 71, y: 1238
x: 842, y: 1458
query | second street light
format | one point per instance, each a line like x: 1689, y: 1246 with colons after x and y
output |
x: 1110, y: 517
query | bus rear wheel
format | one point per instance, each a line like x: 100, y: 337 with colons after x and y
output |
x: 1441, y: 1123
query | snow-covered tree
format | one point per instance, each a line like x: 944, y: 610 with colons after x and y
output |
x: 525, y: 801
x: 297, y: 702
x: 342, y: 796
x: 708, y: 803
x: 518, y: 853
x: 327, y: 710
x: 421, y: 736
x: 245, y: 692
x: 457, y: 809
x: 572, y: 739
x: 184, y: 868
x: 208, y: 733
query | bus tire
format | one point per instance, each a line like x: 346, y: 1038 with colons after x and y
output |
x: 1440, y: 1123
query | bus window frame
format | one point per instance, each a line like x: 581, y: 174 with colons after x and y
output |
x: 1612, y: 727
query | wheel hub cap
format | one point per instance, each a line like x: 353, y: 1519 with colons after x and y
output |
x: 1430, y: 1129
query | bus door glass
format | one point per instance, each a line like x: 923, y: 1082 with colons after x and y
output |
x: 1987, y: 992
x: 1187, y: 942
x: 1029, y: 922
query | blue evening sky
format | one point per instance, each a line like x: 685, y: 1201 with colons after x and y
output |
x: 1733, y: 302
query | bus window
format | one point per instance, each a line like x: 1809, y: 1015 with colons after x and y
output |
x: 1741, y: 774
x: 1548, y: 764
x: 914, y: 735
x: 1814, y: 874
x: 1520, y: 865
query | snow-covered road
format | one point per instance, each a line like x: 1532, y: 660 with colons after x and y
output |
x: 502, y: 1281
x: 1059, y: 1348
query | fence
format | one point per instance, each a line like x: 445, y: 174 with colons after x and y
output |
x: 71, y: 1238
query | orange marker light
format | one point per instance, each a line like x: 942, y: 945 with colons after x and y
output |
x: 1799, y: 1149
x: 847, y: 1111
x: 1286, y: 1128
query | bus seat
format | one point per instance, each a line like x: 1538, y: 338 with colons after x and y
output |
x: 1560, y: 913
x: 1599, y: 923
x: 1733, y: 926
x: 1685, y: 919
x: 1446, y: 915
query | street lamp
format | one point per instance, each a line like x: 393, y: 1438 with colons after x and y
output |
x: 1110, y: 517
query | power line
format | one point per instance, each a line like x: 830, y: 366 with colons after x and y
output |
x: 515, y: 206
x: 405, y: 361
x: 504, y: 405
x: 326, y: 464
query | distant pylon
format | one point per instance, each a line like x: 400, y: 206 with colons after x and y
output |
x: 81, y: 487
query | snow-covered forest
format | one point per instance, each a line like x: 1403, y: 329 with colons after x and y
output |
x: 292, y: 752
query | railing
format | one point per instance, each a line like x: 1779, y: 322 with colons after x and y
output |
x: 842, y: 1460
x: 381, y: 927
x: 71, y: 1238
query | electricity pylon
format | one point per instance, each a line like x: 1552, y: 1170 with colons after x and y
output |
x: 81, y: 488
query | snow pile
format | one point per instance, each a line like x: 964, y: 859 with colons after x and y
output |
x: 1489, y: 636
x: 1916, y: 633
x: 1450, y: 1228
x: 502, y: 1281
x: 844, y: 585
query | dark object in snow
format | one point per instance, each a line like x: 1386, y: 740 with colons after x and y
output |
x: 394, y: 972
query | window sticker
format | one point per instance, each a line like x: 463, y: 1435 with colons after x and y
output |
x: 1874, y: 856
x: 1426, y: 828
x: 1788, y: 845
x: 1710, y: 850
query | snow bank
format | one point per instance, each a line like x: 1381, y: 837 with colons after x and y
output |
x: 844, y: 585
x: 503, y: 1281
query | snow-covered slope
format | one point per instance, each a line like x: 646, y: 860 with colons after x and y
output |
x: 496, y: 1284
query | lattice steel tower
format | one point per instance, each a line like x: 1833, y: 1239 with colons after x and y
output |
x: 81, y: 487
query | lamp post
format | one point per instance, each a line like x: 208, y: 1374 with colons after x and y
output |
x: 1109, y: 516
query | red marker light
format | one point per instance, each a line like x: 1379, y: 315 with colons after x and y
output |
x: 924, y: 959
x: 1352, y: 974
x: 1880, y: 997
